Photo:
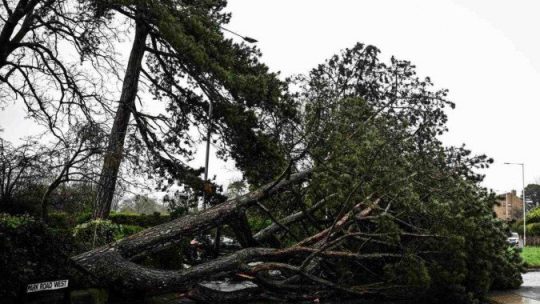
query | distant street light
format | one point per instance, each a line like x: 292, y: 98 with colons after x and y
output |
x: 524, y: 204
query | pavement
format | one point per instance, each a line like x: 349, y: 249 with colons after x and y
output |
x: 528, y: 293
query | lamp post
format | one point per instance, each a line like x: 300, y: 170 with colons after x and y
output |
x: 207, y: 186
x: 207, y: 156
x: 524, y: 204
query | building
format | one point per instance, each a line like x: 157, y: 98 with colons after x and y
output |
x: 509, y: 207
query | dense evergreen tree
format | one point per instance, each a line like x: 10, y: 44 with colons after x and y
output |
x: 382, y: 122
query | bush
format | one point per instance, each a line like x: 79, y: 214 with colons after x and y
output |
x: 29, y: 253
x: 62, y: 220
x: 533, y: 216
x: 93, y: 234
x: 533, y: 229
x: 123, y: 231
x: 99, y: 232
x: 83, y: 217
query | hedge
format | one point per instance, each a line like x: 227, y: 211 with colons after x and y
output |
x: 63, y: 220
x: 533, y: 229
x: 30, y: 252
x: 97, y: 233
x: 533, y: 216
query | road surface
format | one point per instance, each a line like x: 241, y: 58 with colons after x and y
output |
x: 528, y: 293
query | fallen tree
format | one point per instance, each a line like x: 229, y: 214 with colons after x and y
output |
x: 301, y: 271
x: 115, y: 267
x: 386, y: 212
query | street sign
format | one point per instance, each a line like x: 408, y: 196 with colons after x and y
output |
x: 53, y: 285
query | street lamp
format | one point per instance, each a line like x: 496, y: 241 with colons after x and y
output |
x: 524, y: 204
x: 246, y: 38
x: 207, y: 157
x: 207, y: 187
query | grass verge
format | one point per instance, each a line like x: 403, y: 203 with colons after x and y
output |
x: 531, y: 255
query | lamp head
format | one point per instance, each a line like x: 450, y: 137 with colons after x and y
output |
x: 250, y: 40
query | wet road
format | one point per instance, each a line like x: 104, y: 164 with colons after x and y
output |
x: 529, y: 293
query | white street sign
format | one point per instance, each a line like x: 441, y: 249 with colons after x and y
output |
x: 53, y: 285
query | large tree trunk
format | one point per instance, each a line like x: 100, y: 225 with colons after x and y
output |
x: 114, y: 154
x: 45, y: 203
x: 303, y: 271
x: 113, y: 265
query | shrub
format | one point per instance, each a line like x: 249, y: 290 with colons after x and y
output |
x: 62, y: 220
x: 29, y: 253
x: 94, y: 234
x: 533, y: 216
x: 533, y: 228
x: 123, y: 231
x: 83, y: 217
x: 97, y: 233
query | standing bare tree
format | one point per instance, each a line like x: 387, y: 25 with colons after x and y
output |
x: 71, y: 160
x: 17, y: 168
x: 42, y: 47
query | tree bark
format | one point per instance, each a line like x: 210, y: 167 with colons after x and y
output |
x: 240, y: 226
x: 112, y: 263
x: 290, y: 270
x: 114, y: 154
x: 269, y: 231
x: 45, y: 203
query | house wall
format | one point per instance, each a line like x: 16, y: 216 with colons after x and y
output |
x: 510, y: 206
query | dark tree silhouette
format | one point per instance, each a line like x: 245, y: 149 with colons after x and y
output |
x: 36, y: 39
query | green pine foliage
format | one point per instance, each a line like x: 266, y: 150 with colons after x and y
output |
x: 372, y: 131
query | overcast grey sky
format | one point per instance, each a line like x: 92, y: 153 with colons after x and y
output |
x: 487, y: 53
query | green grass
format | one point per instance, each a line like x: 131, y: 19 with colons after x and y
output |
x: 531, y: 255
